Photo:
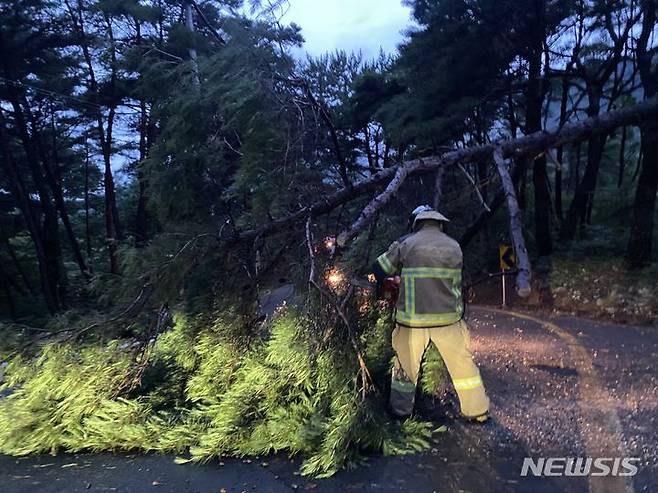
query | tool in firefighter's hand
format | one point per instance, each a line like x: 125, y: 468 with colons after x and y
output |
x: 390, y: 289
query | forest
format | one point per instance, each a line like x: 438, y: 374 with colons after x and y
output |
x: 165, y: 165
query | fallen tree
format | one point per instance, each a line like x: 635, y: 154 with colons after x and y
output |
x: 524, y: 277
x: 529, y: 145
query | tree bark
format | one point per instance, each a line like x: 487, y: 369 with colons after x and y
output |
x: 189, y: 23
x: 376, y: 204
x: 141, y: 216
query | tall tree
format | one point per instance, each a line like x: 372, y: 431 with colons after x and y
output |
x: 640, y: 243
x: 534, y: 102
x: 29, y: 64
x: 106, y: 96
x: 595, y: 66
x: 46, y: 250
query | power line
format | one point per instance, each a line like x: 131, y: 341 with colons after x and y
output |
x: 50, y: 93
x: 81, y: 101
x: 59, y: 95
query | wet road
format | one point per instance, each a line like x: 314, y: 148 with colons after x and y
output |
x: 568, y: 387
x: 559, y: 386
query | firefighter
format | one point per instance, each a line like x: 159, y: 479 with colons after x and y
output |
x: 427, y: 266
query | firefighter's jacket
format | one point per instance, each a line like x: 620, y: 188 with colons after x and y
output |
x: 429, y: 263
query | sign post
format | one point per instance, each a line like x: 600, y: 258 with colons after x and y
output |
x: 507, y: 262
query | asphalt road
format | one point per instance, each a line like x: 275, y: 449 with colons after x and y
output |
x: 559, y: 386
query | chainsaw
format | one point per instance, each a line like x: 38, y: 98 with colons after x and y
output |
x: 388, y: 290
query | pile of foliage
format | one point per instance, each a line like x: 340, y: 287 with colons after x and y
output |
x: 202, y: 391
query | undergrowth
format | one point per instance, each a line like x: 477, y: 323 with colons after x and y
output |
x: 602, y: 287
x: 202, y: 396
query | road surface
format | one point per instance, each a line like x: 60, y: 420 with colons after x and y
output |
x: 560, y: 387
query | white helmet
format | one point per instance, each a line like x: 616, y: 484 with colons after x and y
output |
x: 425, y: 213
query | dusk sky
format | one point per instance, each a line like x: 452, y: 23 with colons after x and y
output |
x: 350, y: 25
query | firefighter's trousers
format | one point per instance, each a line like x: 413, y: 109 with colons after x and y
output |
x: 453, y: 343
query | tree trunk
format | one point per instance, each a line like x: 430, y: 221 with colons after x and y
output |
x: 48, y: 231
x: 87, y: 229
x: 366, y: 141
x: 19, y: 268
x: 564, y: 99
x: 524, y: 277
x: 622, y: 157
x: 438, y: 187
x: 558, y: 183
x: 112, y: 227
x: 189, y: 22
x: 7, y: 281
x: 141, y: 217
x: 574, y: 171
x: 111, y: 213
x: 483, y: 182
x: 522, y: 163
x: 640, y: 245
x: 581, y: 204
x: 49, y: 285
x: 534, y: 103
x: 56, y: 188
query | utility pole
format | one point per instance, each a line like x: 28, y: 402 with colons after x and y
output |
x: 189, y: 22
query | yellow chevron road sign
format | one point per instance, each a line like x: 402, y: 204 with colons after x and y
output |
x: 507, y: 257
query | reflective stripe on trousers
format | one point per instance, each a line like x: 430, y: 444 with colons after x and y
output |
x: 453, y: 342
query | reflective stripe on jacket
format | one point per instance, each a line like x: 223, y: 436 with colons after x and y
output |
x: 429, y: 263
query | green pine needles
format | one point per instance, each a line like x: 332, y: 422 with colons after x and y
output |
x: 202, y: 396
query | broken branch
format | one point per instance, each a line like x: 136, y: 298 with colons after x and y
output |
x: 475, y: 187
